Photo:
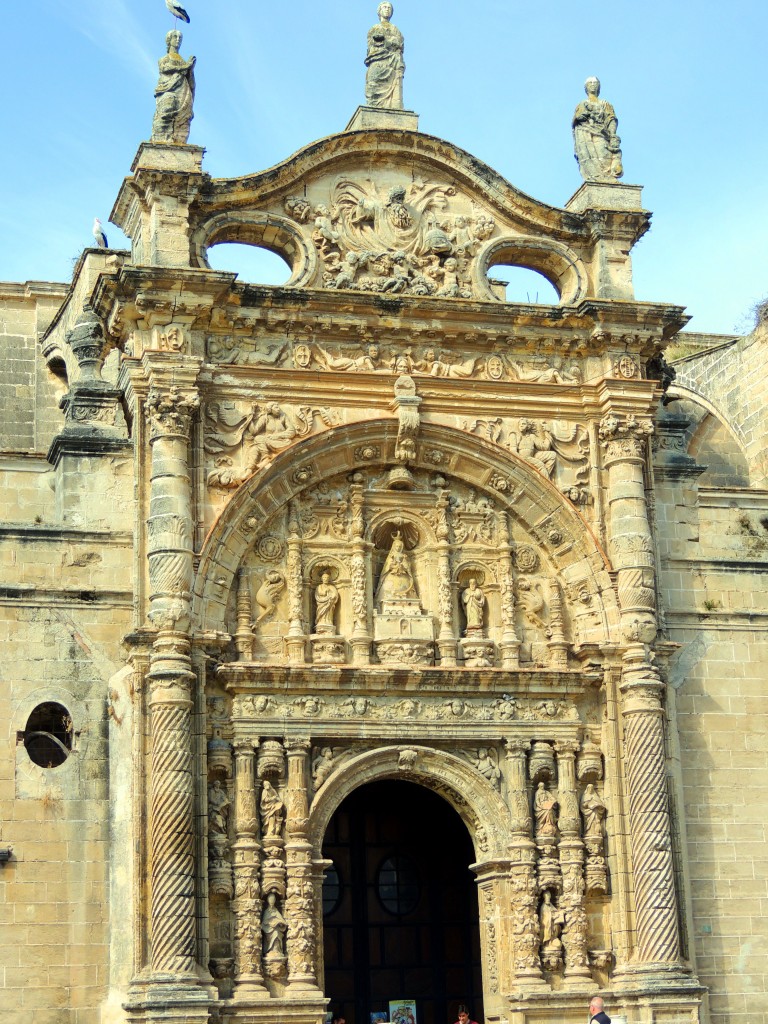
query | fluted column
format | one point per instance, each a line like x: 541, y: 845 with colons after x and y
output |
x: 523, y: 886
x: 572, y: 901
x: 656, y: 912
x: 172, y: 841
x: 299, y: 901
x: 246, y: 850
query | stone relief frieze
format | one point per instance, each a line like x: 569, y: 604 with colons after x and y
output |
x: 409, y: 709
x: 240, y: 442
x: 417, y: 238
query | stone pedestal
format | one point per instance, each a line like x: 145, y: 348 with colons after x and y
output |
x: 605, y: 195
x: 327, y: 649
x: 376, y: 117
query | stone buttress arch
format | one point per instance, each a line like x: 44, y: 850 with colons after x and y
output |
x: 561, y: 532
x: 480, y: 807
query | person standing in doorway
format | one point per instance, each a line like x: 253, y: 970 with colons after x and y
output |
x: 464, y: 1016
x: 597, y: 1013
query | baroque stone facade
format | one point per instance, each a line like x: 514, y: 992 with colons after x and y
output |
x: 281, y: 543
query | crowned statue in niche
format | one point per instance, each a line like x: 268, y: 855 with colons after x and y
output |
x: 397, y: 588
x: 403, y: 631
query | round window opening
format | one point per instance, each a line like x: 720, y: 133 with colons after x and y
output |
x: 398, y: 885
x: 331, y: 890
x: 48, y: 735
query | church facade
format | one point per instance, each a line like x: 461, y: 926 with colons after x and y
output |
x: 372, y: 639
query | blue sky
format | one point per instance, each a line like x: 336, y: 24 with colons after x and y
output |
x: 499, y: 78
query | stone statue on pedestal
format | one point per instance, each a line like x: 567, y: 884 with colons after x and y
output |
x: 597, y: 146
x: 384, y: 60
x: 174, y: 94
x: 326, y: 599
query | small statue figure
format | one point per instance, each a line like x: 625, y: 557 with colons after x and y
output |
x: 268, y: 594
x: 487, y: 766
x: 473, y: 600
x: 545, y: 807
x: 218, y: 808
x: 535, y: 445
x: 596, y: 144
x: 594, y: 811
x: 272, y: 811
x: 273, y: 926
x: 384, y: 60
x: 551, y: 921
x: 174, y: 94
x: 326, y: 599
x: 322, y: 766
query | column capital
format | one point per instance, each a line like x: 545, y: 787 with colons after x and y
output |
x: 624, y: 439
x: 170, y: 411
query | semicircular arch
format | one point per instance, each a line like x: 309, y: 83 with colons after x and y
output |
x: 552, y: 259
x: 516, y: 487
x: 477, y: 803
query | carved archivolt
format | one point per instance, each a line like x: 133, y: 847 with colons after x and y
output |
x: 473, y: 796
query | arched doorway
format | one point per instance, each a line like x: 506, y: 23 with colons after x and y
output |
x: 400, y: 906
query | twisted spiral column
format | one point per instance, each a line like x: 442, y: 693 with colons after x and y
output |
x: 656, y: 911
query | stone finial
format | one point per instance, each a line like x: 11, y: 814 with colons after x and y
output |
x: 596, y: 144
x: 174, y: 94
x: 384, y: 60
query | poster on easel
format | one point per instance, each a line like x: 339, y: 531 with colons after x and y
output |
x: 402, y: 1011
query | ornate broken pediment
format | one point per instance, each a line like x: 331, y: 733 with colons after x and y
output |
x: 413, y: 237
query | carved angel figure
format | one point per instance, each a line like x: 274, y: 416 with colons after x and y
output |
x: 268, y: 593
x: 530, y: 599
x: 535, y: 444
x: 486, y: 763
x: 322, y: 766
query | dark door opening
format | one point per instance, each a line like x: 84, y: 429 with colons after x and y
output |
x: 400, y: 906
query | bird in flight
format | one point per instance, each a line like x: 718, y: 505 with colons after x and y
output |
x: 98, y: 234
x: 177, y: 10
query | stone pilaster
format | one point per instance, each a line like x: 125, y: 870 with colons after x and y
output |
x: 246, y: 849
x: 572, y: 901
x: 510, y: 642
x: 296, y: 640
x: 446, y: 641
x: 522, y: 850
x: 359, y: 572
x: 299, y: 902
